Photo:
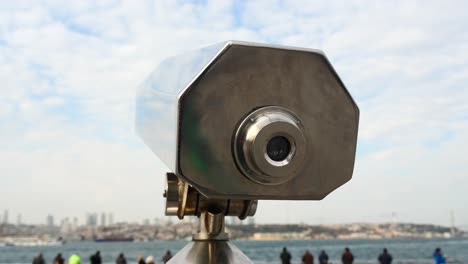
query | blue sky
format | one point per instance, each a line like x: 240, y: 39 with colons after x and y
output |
x: 69, y: 72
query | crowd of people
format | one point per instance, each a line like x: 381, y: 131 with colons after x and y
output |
x: 96, y: 259
x: 348, y: 258
x: 308, y: 258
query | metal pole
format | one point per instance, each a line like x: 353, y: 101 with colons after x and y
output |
x: 210, y: 244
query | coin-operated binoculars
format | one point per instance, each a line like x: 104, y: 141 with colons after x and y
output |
x: 238, y: 122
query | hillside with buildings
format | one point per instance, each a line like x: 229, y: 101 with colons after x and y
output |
x: 166, y: 230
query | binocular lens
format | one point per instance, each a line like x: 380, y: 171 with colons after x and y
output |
x: 269, y: 146
x: 278, y: 148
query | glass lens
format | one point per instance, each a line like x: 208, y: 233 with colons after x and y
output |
x: 278, y: 148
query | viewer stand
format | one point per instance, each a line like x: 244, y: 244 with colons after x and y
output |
x: 210, y: 243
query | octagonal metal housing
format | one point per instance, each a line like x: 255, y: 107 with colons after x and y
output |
x: 190, y: 108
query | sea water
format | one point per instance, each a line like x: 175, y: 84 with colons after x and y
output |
x: 364, y: 250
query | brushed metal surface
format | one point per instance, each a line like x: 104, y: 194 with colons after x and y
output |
x: 245, y: 78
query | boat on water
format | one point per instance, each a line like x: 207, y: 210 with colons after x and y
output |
x: 31, y: 243
x: 114, y: 239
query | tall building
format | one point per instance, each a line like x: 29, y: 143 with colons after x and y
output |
x: 5, y: 217
x: 18, y: 219
x: 103, y: 219
x: 452, y: 223
x: 111, y: 219
x: 50, y: 220
x: 157, y: 221
x: 65, y: 226
x: 91, y: 219
x: 75, y: 223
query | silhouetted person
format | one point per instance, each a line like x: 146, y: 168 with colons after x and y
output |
x: 121, y: 259
x: 285, y: 256
x: 308, y: 258
x: 385, y: 257
x: 347, y: 257
x: 59, y: 259
x: 39, y: 259
x: 140, y: 260
x: 96, y: 258
x: 323, y: 258
x: 74, y: 259
x: 439, y: 256
x: 167, y: 257
x: 150, y: 260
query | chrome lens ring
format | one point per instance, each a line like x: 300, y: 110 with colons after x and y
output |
x: 255, y: 134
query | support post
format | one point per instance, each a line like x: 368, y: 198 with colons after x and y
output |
x: 210, y: 244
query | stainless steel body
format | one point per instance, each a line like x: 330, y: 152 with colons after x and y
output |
x: 192, y: 107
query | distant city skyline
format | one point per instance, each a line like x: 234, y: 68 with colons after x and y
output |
x: 88, y: 219
x: 92, y: 219
x: 70, y: 70
x: 95, y: 219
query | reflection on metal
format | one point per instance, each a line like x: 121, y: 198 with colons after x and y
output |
x: 157, y: 100
x: 182, y: 199
x: 211, y: 227
x: 210, y: 252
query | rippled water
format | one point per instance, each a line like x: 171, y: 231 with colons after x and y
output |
x: 365, y: 251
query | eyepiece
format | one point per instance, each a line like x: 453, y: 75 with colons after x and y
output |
x: 269, y: 145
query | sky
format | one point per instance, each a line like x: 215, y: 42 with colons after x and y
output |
x: 69, y: 72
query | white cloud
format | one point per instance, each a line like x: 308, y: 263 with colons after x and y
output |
x: 53, y: 101
x: 69, y: 74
